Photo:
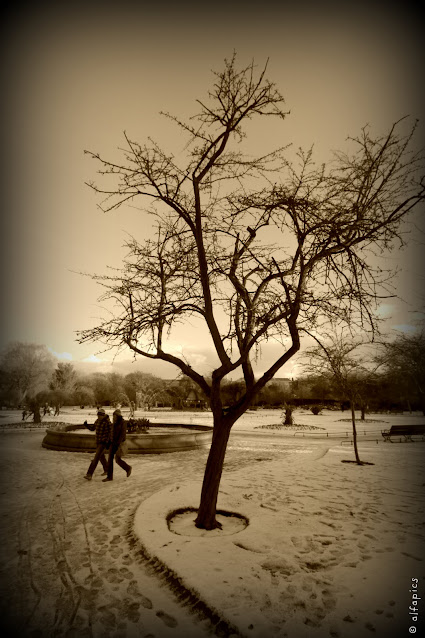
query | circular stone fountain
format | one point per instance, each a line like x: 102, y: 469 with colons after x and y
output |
x: 161, y: 437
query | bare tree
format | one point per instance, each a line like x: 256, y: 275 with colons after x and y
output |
x: 143, y: 389
x: 254, y: 248
x: 341, y: 360
x: 148, y: 394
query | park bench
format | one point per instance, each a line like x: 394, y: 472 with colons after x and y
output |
x: 404, y: 430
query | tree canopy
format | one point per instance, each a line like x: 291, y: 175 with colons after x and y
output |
x: 26, y: 369
x: 256, y: 247
x: 403, y: 359
x: 217, y: 211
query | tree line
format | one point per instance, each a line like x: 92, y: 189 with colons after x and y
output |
x: 393, y: 378
x: 31, y: 378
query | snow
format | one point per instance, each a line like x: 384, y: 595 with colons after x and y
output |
x: 330, y: 548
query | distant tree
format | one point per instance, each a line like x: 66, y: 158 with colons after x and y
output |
x: 321, y: 388
x: 83, y: 395
x: 34, y: 404
x: 176, y: 394
x: 254, y: 247
x: 26, y: 369
x: 100, y: 384
x: 232, y: 391
x: 116, y: 389
x: 314, y: 386
x: 64, y: 377
x: 272, y: 394
x: 6, y: 397
x: 62, y: 386
x: 143, y: 389
x: 341, y: 360
x: 403, y: 360
x: 57, y: 399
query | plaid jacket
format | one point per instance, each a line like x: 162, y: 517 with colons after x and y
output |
x: 103, y: 427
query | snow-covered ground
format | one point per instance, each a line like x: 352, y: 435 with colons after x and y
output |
x: 331, y: 549
x: 331, y: 420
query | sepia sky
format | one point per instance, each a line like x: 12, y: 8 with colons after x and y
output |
x: 75, y: 78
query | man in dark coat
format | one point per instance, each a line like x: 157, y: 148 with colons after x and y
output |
x: 119, y: 433
x: 103, y: 429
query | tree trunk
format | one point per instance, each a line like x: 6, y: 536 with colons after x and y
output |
x: 353, y: 420
x: 37, y: 415
x: 207, y: 509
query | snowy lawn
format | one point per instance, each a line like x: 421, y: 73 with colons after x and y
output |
x: 331, y: 549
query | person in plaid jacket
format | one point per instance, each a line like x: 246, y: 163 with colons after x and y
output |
x: 103, y: 429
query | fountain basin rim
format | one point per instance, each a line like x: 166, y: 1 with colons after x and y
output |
x: 188, y: 426
x: 66, y: 438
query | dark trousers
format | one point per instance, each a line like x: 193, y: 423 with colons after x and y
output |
x: 98, y: 456
x: 114, y: 453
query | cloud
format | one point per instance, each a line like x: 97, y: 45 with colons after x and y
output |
x: 385, y: 310
x: 93, y: 359
x: 158, y: 368
x: 406, y: 327
x: 61, y: 355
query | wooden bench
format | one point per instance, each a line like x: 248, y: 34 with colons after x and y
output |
x: 404, y: 430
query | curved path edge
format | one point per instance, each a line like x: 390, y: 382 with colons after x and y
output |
x: 186, y: 595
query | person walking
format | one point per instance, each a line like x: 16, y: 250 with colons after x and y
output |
x: 119, y: 433
x: 103, y: 429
